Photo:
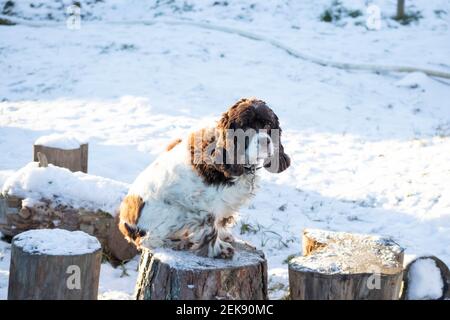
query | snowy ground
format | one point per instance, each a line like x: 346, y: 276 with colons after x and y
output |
x: 370, y: 152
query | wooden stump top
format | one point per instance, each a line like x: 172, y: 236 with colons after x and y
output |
x: 345, y: 253
x: 56, y: 242
x: 183, y: 260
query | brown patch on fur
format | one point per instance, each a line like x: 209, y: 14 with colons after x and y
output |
x: 130, y: 211
x: 173, y: 144
x: 227, y: 221
x: 203, y: 158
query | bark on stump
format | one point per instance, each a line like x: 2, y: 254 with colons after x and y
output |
x: 344, y: 266
x: 40, y: 271
x: 177, y: 275
x: 16, y: 218
x: 72, y: 159
x: 444, y: 272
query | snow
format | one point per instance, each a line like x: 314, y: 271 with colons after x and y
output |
x: 425, y: 280
x: 56, y: 242
x: 118, y: 283
x: 60, y: 141
x: 187, y: 261
x: 350, y: 253
x: 368, y: 155
x: 76, y: 189
x: 414, y: 80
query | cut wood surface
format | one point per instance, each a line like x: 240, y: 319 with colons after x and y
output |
x: 72, y: 159
x: 174, y: 275
x: 54, y: 265
x: 339, y: 265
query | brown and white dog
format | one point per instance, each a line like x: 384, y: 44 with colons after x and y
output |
x: 189, y: 196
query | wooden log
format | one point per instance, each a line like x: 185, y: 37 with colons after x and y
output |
x: 17, y: 217
x: 54, y: 265
x: 411, y: 285
x: 344, y: 266
x: 178, y: 275
x: 72, y: 159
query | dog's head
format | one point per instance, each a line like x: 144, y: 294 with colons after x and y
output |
x: 248, y: 138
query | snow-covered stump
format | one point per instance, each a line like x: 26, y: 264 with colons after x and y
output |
x: 426, y: 278
x: 54, y: 265
x: 178, y: 275
x: 344, y: 266
x: 62, y: 151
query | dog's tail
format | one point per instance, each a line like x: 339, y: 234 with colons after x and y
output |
x: 133, y: 231
x: 130, y: 212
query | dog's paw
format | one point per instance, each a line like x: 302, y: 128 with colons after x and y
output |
x: 227, y: 253
x: 222, y: 250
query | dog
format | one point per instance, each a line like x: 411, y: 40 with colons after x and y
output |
x: 188, y: 198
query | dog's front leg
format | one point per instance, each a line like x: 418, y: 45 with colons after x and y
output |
x: 223, y: 226
x: 206, y: 239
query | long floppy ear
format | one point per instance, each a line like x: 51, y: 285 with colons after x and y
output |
x: 227, y: 153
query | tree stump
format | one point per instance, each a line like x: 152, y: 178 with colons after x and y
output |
x: 17, y: 216
x: 54, y: 265
x: 344, y: 266
x: 165, y: 274
x: 400, y: 9
x: 72, y: 159
x: 426, y: 278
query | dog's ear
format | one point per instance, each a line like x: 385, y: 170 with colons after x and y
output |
x: 227, y: 151
x: 279, y: 162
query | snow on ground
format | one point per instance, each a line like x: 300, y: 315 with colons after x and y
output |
x: 370, y: 152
